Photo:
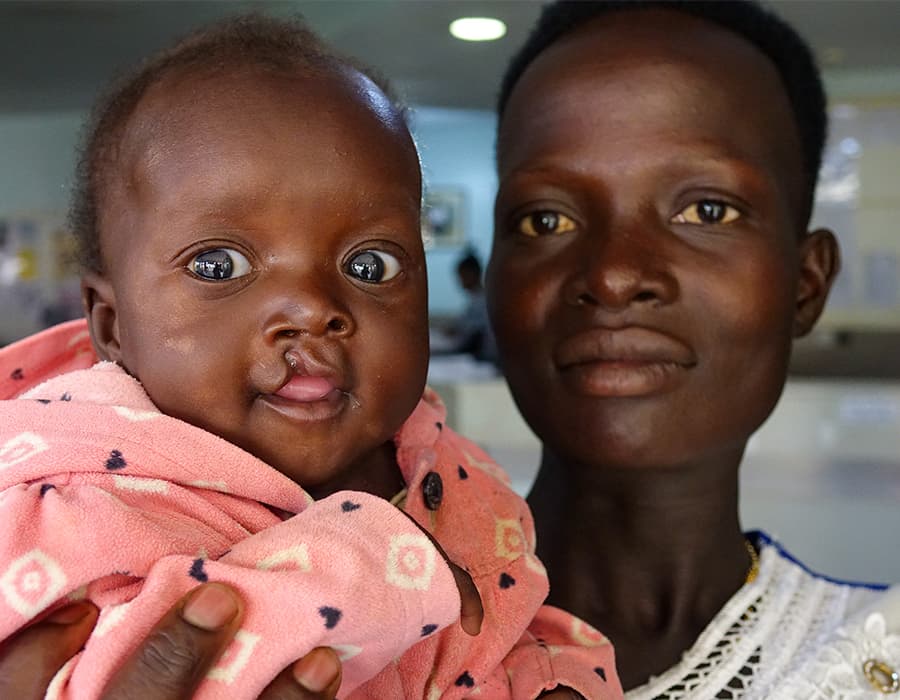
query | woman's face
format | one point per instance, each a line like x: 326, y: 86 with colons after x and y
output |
x: 648, y: 269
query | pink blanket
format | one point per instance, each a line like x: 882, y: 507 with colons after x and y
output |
x: 103, y: 496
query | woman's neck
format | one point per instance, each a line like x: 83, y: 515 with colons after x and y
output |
x: 648, y: 557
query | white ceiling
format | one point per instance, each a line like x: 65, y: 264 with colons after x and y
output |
x: 56, y: 55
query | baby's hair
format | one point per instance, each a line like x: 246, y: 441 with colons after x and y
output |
x: 767, y: 32
x: 250, y: 41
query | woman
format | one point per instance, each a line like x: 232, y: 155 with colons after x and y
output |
x: 657, y: 166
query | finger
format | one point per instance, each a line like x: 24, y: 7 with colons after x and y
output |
x: 175, y: 657
x: 317, y: 676
x: 471, y: 610
x: 29, y: 660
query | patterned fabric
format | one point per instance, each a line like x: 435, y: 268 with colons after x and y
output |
x: 789, y: 635
x: 105, y: 497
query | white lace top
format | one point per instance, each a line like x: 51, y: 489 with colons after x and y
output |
x: 791, y: 635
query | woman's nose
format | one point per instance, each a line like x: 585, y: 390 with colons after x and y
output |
x: 618, y: 268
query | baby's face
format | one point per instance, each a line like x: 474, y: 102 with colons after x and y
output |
x: 265, y: 258
x: 647, y: 239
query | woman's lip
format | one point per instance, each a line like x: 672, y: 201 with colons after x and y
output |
x: 608, y: 379
x: 622, y: 362
x: 622, y: 349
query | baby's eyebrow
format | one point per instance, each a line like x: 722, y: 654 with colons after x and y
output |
x: 219, y: 210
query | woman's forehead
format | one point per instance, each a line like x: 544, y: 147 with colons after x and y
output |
x: 645, y: 80
x: 620, y: 61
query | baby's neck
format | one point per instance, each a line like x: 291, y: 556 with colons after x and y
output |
x: 375, y: 472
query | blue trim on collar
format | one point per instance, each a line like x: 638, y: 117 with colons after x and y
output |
x: 758, y: 537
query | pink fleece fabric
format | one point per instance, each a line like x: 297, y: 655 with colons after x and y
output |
x: 104, y: 497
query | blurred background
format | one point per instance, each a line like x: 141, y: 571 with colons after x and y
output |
x: 823, y: 474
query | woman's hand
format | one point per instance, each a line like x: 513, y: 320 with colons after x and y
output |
x: 30, y: 660
x: 171, y: 661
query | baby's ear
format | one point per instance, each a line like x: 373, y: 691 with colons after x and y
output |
x: 99, y: 302
x: 820, y: 261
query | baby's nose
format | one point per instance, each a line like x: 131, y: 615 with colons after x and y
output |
x: 314, y: 311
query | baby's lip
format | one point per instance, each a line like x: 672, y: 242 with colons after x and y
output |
x: 306, y: 388
x: 310, y: 374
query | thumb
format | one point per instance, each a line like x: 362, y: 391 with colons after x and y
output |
x: 173, y: 659
x: 29, y: 660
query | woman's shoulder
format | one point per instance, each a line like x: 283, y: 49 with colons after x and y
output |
x: 764, y: 541
x: 851, y: 645
x: 857, y: 658
x: 823, y: 636
x: 784, y: 636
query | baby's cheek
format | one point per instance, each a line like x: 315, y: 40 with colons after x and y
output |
x: 395, y: 391
x: 182, y: 372
x: 179, y: 345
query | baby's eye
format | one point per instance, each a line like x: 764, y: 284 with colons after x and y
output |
x: 373, y: 266
x: 707, y: 211
x: 219, y: 264
x: 544, y: 223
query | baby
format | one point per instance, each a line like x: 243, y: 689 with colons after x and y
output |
x: 247, y: 209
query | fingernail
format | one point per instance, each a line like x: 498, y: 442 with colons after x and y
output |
x: 315, y: 672
x: 210, y: 607
x: 70, y: 614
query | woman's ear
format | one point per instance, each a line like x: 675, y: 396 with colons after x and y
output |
x: 99, y: 302
x: 820, y: 261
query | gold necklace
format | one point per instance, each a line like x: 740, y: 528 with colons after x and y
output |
x: 754, y: 562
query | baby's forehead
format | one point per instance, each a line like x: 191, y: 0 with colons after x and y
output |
x: 214, y: 143
x: 180, y: 97
x: 189, y: 111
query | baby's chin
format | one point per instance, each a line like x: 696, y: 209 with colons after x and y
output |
x: 324, y: 472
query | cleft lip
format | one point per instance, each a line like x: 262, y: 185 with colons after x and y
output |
x: 631, y: 345
x: 306, y: 389
x: 308, y: 376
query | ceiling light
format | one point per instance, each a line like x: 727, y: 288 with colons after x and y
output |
x: 477, y: 28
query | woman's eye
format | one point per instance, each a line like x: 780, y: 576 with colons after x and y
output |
x: 373, y: 266
x: 707, y: 211
x: 220, y: 264
x: 544, y: 223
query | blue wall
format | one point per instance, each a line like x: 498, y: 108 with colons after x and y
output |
x: 37, y: 158
x: 457, y: 150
